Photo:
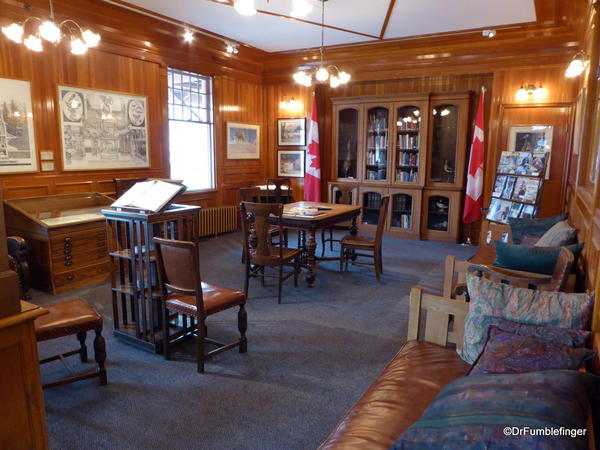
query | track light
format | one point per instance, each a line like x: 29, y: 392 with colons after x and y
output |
x: 232, y: 48
x: 188, y: 36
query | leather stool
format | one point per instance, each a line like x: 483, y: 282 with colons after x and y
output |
x: 65, y: 319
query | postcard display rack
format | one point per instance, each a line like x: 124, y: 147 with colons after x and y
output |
x: 134, y: 284
x: 411, y: 147
x: 518, y: 186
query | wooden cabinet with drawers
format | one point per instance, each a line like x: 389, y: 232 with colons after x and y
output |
x: 66, y: 236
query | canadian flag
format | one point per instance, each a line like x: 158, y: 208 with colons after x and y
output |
x: 312, y: 177
x: 474, y: 196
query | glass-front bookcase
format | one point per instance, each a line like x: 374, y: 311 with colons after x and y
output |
x: 377, y: 143
x: 347, y: 139
x: 410, y: 138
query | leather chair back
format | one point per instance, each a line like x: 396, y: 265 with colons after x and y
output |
x: 275, y: 188
x: 255, y: 228
x: 179, y: 268
x: 383, y: 208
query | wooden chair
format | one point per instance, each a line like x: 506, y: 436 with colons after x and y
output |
x: 122, y: 185
x: 556, y: 282
x: 183, y: 292
x: 351, y: 244
x: 254, y: 195
x: 257, y: 245
x: 275, y: 190
x: 65, y: 318
x: 345, y: 199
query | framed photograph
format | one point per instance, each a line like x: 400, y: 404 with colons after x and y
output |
x: 290, y: 163
x: 103, y: 130
x: 535, y: 138
x: 243, y: 141
x: 17, y: 139
x: 499, y: 186
x: 291, y: 132
x: 509, y: 187
x: 499, y: 210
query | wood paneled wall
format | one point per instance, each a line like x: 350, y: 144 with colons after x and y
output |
x: 133, y: 57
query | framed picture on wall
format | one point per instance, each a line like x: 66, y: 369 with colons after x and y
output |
x: 243, y: 141
x: 102, y: 129
x: 17, y: 139
x: 290, y: 163
x: 532, y: 139
x: 291, y: 132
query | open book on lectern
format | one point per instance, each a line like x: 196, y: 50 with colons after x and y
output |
x: 152, y: 195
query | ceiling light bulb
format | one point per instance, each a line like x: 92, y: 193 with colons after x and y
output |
x: 14, y: 32
x: 416, y: 112
x: 245, y: 7
x: 50, y: 31
x: 231, y: 48
x: 90, y: 38
x: 344, y: 77
x: 322, y: 74
x: 292, y: 103
x: 300, y: 8
x: 445, y: 112
x: 577, y: 66
x: 33, y: 43
x: 188, y: 36
x: 521, y: 94
x: 539, y: 93
x: 78, y: 47
x: 283, y: 104
x: 334, y: 81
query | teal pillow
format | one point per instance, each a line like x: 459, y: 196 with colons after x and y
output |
x: 534, y: 227
x: 530, y: 259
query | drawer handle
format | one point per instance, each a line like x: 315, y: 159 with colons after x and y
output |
x: 67, y: 239
x: 67, y: 264
x: 70, y: 277
x: 68, y: 245
x: 67, y: 251
x: 68, y: 257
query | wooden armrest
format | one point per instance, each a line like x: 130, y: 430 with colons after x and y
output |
x: 513, y: 276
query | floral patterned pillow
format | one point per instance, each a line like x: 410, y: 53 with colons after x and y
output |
x: 555, y: 309
x: 510, y: 353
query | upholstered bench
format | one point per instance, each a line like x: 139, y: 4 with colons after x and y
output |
x: 410, y: 381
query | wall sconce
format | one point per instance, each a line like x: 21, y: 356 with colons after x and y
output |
x: 577, y: 65
x: 291, y: 105
x: 526, y: 91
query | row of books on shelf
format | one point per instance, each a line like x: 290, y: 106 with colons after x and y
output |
x: 410, y: 176
x: 401, y: 221
x: 379, y: 141
x: 380, y: 174
x: 408, y: 125
x: 375, y: 158
x: 408, y: 159
x: 372, y: 201
x: 402, y: 202
x: 377, y: 124
x: 409, y: 141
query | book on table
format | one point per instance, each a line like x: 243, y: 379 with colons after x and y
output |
x: 152, y: 196
x: 304, y: 212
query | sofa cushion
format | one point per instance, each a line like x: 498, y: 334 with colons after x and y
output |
x: 474, y: 412
x: 560, y: 234
x: 532, y: 227
x: 398, y: 397
x: 531, y: 259
x: 556, y: 309
x: 506, y: 352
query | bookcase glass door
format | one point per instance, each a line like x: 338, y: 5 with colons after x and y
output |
x: 402, y: 207
x: 377, y: 144
x: 337, y: 198
x: 444, y: 143
x: 348, y: 137
x: 371, y: 205
x: 438, y: 213
x: 408, y: 140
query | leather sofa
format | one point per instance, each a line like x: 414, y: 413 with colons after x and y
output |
x: 410, y: 381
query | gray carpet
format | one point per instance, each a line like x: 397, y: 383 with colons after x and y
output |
x: 308, y: 360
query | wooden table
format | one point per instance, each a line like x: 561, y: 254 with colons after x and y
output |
x: 337, y: 214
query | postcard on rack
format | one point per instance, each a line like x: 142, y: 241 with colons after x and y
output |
x: 499, y: 186
x: 508, y: 187
x: 523, y: 162
x: 528, y: 212
x: 499, y: 210
x: 507, y: 163
x: 531, y: 190
x: 152, y: 195
x: 515, y: 210
x: 538, y: 162
x: 520, y: 189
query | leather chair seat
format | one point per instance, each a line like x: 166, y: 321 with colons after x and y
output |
x: 288, y: 253
x: 398, y: 397
x: 216, y: 299
x: 67, y: 318
x: 358, y: 241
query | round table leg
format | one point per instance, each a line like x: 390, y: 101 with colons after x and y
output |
x: 311, y: 247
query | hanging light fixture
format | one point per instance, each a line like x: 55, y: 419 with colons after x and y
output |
x: 577, y: 65
x: 323, y: 73
x: 245, y: 7
x: 48, y: 30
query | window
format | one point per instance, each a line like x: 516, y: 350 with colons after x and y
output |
x: 191, y: 142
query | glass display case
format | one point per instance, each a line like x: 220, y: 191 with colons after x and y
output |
x: 402, y: 207
x: 408, y: 145
x: 376, y: 155
x: 371, y: 202
x: 443, y: 144
x: 438, y: 213
x: 348, y: 139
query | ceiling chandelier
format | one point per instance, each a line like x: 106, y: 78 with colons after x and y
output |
x: 300, y: 8
x: 30, y: 36
x: 322, y: 74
